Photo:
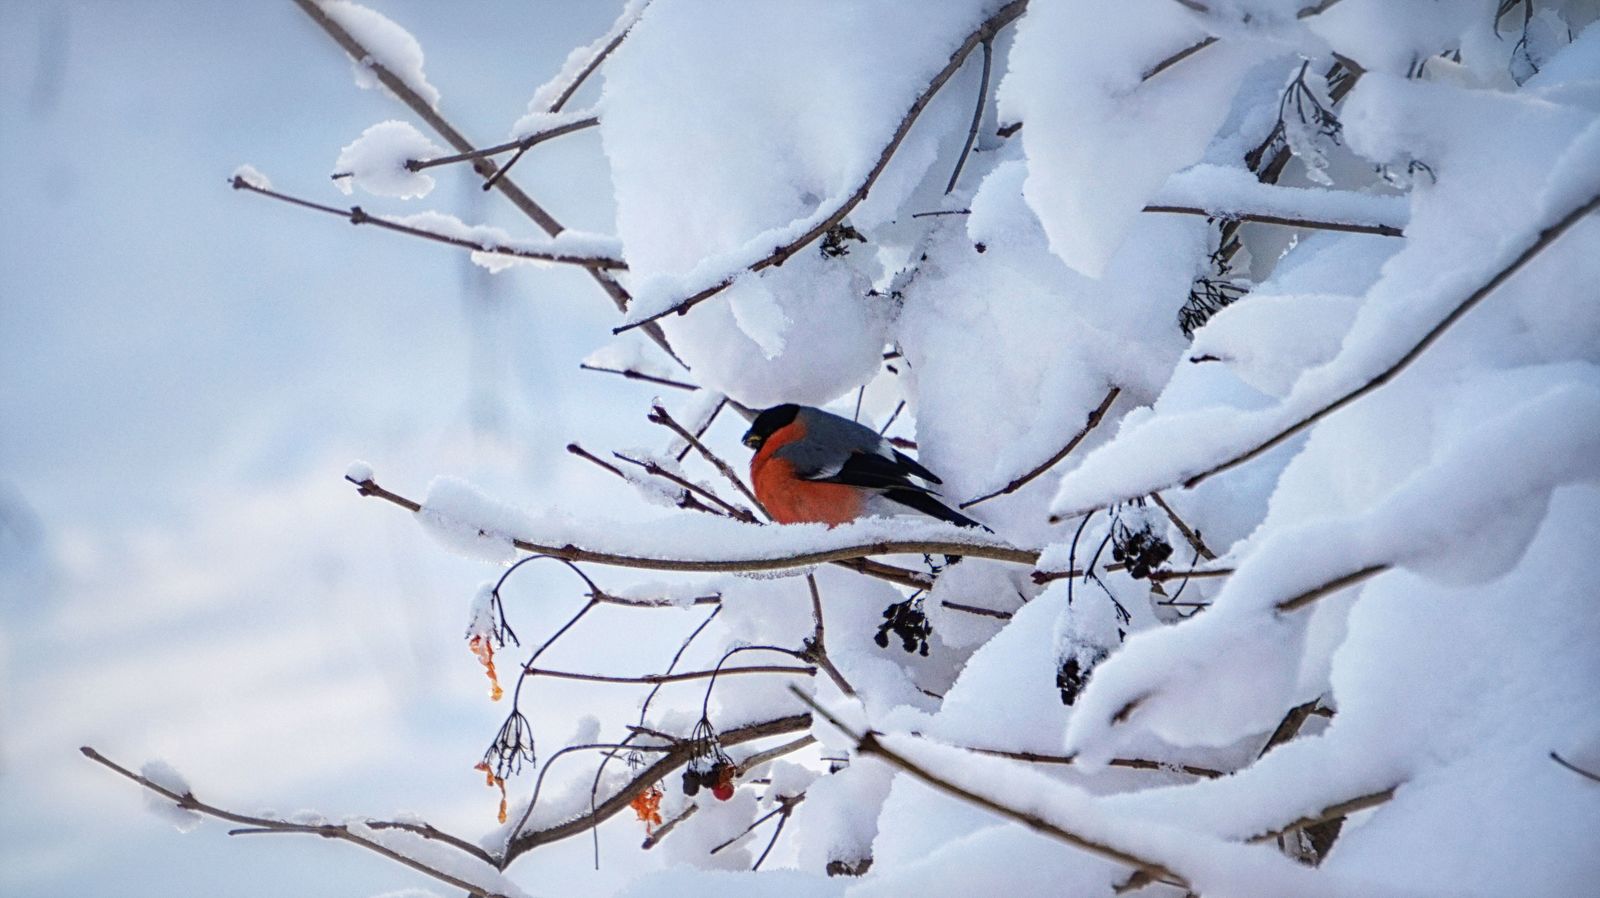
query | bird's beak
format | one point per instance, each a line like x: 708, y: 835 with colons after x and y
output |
x: 751, y: 440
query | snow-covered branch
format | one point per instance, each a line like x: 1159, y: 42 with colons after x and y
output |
x: 551, y: 250
x: 983, y: 33
x: 486, y: 884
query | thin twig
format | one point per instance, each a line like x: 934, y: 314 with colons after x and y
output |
x: 484, y: 167
x: 974, y: 609
x: 521, y: 143
x: 977, y: 116
x: 685, y: 498
x: 984, y: 32
x: 1331, y: 812
x: 1586, y: 774
x: 654, y: 469
x: 1329, y: 588
x: 1095, y: 417
x: 1173, y: 60
x: 671, y: 760
x: 1265, y: 218
x: 659, y: 415
x: 188, y: 802
x: 358, y: 216
x: 649, y: 679
x: 1191, y: 536
x: 631, y: 374
x: 1130, y: 763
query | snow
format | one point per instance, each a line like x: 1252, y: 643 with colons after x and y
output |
x: 1227, y: 191
x: 581, y: 244
x: 387, y: 43
x: 1416, y: 563
x: 252, y: 176
x: 376, y: 161
x: 546, y: 98
x: 359, y: 471
x: 167, y: 777
x: 1101, y: 140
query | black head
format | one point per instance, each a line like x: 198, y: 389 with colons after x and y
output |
x: 769, y: 422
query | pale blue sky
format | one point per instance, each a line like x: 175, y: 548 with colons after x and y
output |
x: 185, y: 372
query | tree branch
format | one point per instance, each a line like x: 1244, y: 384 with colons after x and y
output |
x: 1264, y: 218
x: 342, y: 832
x: 649, y: 679
x: 521, y: 144
x: 868, y: 744
x: 631, y: 374
x: 977, y: 116
x: 676, y: 757
x: 985, y: 32
x: 1095, y: 417
x: 484, y: 167
x: 358, y: 216
x: 1545, y: 237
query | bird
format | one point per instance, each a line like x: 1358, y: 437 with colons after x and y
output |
x: 812, y: 466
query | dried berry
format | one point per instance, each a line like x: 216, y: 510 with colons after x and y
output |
x: 907, y: 621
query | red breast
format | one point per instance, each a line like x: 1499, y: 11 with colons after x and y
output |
x: 791, y: 500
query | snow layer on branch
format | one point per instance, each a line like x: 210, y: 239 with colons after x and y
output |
x: 468, y: 521
x: 1459, y: 693
x: 167, y: 777
x: 1234, y: 669
x: 1226, y: 191
x: 376, y: 161
x: 566, y: 243
x: 252, y: 176
x: 388, y: 44
x: 1507, y: 166
x: 1099, y: 141
x: 715, y: 165
x: 1010, y: 349
x: 579, y: 60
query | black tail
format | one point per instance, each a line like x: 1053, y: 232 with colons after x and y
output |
x: 930, y: 506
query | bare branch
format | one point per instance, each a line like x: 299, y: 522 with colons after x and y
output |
x: 649, y: 679
x: 984, y: 32
x: 342, y: 832
x: 1095, y: 417
x: 1586, y: 774
x: 1329, y: 588
x: 631, y: 374
x: 1331, y: 812
x: 521, y: 144
x: 1130, y: 763
x: 669, y: 761
x: 1264, y: 218
x: 659, y: 415
x: 1192, y: 536
x: 650, y: 467
x: 977, y: 116
x: 358, y: 216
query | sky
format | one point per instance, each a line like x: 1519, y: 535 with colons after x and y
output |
x: 185, y: 373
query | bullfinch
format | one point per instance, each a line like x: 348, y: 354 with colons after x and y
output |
x: 812, y: 466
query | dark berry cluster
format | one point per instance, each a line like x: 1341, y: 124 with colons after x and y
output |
x: 709, y: 766
x: 908, y: 622
x: 718, y: 778
x: 1073, y: 674
x: 1141, y: 550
